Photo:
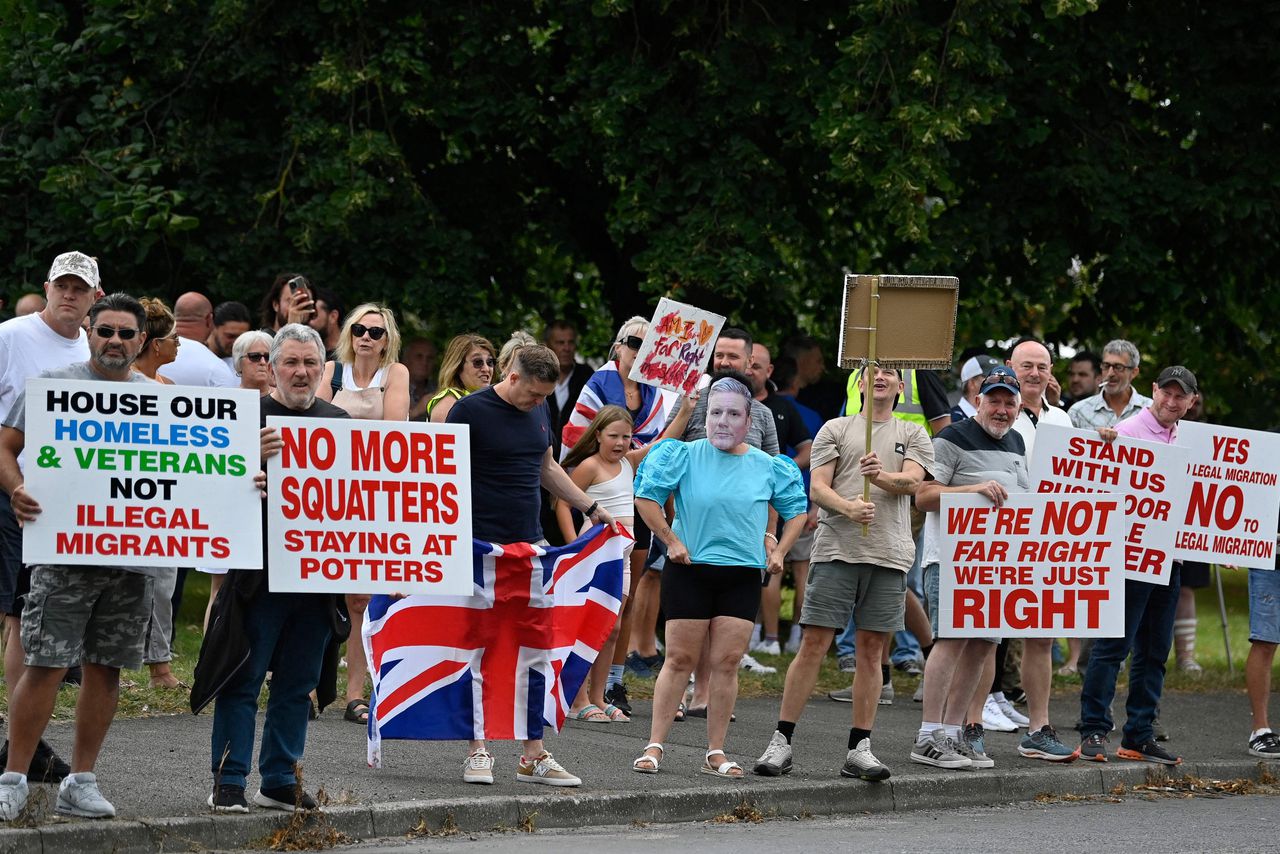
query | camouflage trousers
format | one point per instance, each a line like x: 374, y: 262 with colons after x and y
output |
x: 86, y: 613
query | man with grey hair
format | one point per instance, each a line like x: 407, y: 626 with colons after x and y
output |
x: 511, y: 459
x: 1117, y: 399
x: 279, y: 627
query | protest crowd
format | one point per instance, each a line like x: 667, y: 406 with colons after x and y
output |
x: 640, y: 517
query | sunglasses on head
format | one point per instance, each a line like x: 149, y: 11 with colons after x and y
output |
x: 110, y: 332
x: 257, y: 357
x: 632, y: 341
x: 479, y: 363
x: 359, y: 330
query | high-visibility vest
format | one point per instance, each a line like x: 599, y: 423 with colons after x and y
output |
x: 908, y: 407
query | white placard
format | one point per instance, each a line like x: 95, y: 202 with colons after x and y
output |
x: 370, y: 507
x: 134, y: 474
x: 678, y: 346
x: 1233, y: 497
x: 1039, y: 566
x: 1149, y: 474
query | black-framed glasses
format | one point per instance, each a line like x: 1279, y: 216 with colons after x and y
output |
x: 1115, y: 366
x: 632, y: 341
x: 359, y: 330
x: 109, y: 332
x: 479, y: 363
x: 257, y: 357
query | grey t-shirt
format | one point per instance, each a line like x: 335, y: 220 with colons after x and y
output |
x: 17, y: 419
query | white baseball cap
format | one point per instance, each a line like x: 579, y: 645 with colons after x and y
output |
x: 75, y: 264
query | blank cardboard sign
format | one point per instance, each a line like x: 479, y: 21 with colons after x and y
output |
x: 915, y: 326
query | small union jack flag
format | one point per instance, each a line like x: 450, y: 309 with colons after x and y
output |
x: 503, y: 662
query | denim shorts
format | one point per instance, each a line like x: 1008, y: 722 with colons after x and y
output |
x: 1264, y: 605
x: 932, y: 584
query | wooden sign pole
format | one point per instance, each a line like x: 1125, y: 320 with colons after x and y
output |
x: 868, y: 377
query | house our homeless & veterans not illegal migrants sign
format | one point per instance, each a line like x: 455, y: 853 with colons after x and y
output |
x: 1038, y: 566
x: 130, y: 474
x: 1149, y: 477
x: 370, y: 507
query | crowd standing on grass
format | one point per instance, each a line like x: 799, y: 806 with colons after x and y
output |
x: 724, y: 491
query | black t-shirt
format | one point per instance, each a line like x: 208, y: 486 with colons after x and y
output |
x: 933, y: 395
x: 508, y: 446
x: 270, y: 406
x: 787, y: 419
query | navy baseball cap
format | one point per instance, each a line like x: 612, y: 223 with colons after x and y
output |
x: 1001, y: 377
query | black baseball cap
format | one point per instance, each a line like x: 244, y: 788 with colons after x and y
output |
x: 1001, y: 377
x: 1180, y: 375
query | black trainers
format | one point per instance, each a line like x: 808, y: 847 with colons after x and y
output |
x: 1148, y: 752
x: 73, y: 676
x: 46, y: 765
x: 618, y: 696
x: 228, y: 799
x: 1161, y: 732
x: 1265, y: 745
x: 287, y: 798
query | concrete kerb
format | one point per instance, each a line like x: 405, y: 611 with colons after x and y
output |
x: 572, y: 809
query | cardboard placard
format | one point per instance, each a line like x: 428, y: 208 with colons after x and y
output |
x: 915, y: 321
x: 1149, y: 475
x: 369, y: 507
x: 1232, y: 499
x: 677, y: 348
x: 1039, y: 566
x: 134, y: 474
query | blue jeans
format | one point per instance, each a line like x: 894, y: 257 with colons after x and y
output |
x: 905, y: 646
x: 1148, y: 633
x: 287, y: 634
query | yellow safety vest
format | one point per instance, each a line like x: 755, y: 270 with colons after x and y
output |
x: 908, y: 408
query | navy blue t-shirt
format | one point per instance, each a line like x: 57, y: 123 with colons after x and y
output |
x: 507, y: 450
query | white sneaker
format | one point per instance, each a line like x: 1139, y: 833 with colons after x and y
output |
x: 78, y: 795
x: 862, y: 764
x: 768, y: 647
x: 793, y: 644
x: 994, y: 719
x: 478, y: 768
x: 13, y: 795
x: 750, y: 665
x: 776, y: 759
x: 1011, y: 712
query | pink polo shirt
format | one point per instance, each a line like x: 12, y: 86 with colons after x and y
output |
x: 1145, y: 426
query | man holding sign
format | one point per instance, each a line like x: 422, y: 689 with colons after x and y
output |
x: 856, y: 572
x: 94, y: 614
x: 1148, y: 610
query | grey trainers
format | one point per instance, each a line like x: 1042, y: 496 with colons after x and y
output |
x: 1093, y: 747
x: 939, y: 751
x: 1044, y: 744
x: 13, y: 795
x: 886, y: 694
x: 847, y: 663
x: 844, y: 695
x: 862, y: 764
x: 776, y: 759
x: 79, y: 796
x: 973, y: 745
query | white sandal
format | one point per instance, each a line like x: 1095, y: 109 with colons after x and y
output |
x: 645, y: 757
x: 723, y: 769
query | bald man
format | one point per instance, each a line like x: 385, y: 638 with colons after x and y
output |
x: 29, y: 304
x: 196, y: 364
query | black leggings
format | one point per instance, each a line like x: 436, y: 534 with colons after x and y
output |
x: 702, y: 591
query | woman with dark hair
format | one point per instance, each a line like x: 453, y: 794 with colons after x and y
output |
x: 723, y: 489
x: 467, y: 366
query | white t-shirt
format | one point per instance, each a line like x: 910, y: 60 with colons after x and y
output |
x: 28, y: 348
x: 1027, y: 430
x: 197, y: 365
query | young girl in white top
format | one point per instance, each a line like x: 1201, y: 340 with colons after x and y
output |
x: 603, y: 466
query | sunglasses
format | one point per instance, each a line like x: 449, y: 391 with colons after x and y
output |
x: 632, y: 341
x: 109, y: 332
x: 359, y: 330
x: 257, y: 357
x: 479, y: 363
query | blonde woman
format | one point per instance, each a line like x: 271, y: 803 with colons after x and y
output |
x: 369, y: 383
x: 467, y: 366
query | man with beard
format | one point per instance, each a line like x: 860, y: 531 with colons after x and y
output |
x: 95, y: 615
x: 1117, y: 399
x: 981, y: 455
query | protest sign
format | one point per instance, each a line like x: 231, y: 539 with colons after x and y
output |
x: 1039, y: 566
x: 1232, y: 503
x: 677, y: 348
x: 369, y: 507
x: 134, y: 474
x: 1149, y: 474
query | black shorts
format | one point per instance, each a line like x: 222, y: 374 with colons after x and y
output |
x: 642, y: 534
x: 702, y: 591
x: 10, y: 559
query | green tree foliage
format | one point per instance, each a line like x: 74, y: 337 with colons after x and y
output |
x: 1087, y: 168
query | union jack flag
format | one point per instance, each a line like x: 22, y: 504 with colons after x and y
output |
x: 605, y: 386
x: 503, y: 662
